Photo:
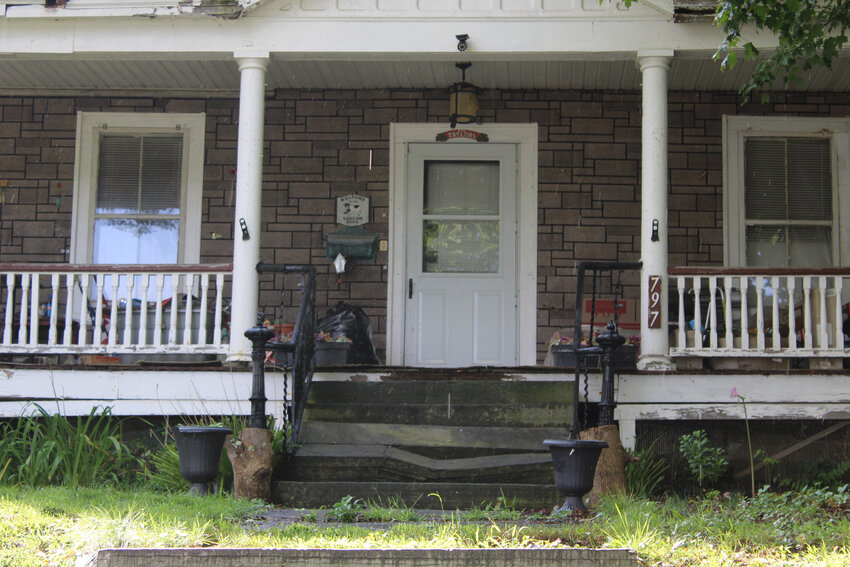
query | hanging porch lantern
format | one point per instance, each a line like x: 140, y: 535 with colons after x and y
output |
x: 463, y: 99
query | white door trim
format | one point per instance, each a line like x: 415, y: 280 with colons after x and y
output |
x: 525, y: 137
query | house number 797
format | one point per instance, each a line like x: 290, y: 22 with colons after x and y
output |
x: 655, y: 297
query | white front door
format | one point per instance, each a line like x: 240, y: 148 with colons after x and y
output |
x: 461, y: 260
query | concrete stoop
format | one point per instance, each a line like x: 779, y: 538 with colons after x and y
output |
x: 473, y: 438
x: 220, y: 557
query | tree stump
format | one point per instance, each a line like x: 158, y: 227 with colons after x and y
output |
x: 610, y: 475
x: 251, y: 455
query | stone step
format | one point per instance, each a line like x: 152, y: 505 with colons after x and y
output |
x: 402, y: 435
x: 438, y: 392
x: 316, y: 462
x: 227, y: 557
x: 445, y: 413
x: 430, y: 495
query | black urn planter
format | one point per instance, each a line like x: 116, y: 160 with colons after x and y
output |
x: 199, y: 449
x: 575, y: 466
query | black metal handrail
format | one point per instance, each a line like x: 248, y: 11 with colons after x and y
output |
x: 300, y: 349
x: 605, y: 350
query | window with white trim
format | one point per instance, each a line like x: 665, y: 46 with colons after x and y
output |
x: 137, y: 190
x: 783, y: 179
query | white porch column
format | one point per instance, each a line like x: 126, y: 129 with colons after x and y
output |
x: 654, y: 344
x: 249, y: 173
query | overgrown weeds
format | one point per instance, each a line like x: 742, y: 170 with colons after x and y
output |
x: 645, y: 471
x: 45, y: 449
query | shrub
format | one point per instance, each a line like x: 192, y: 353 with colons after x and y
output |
x: 705, y: 463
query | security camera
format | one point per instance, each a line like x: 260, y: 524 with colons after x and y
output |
x: 461, y: 41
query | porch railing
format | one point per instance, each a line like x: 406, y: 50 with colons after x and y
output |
x: 785, y: 312
x: 114, y: 309
x: 299, y: 351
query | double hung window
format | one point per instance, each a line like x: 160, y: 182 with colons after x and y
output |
x: 137, y: 190
x: 782, y: 191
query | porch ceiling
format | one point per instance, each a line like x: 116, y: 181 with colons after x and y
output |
x: 221, y: 78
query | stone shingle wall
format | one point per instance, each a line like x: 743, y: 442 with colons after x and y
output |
x: 324, y: 144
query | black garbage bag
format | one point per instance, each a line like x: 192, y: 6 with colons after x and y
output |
x: 352, y: 322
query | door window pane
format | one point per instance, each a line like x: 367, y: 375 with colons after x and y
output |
x: 461, y: 188
x: 460, y: 247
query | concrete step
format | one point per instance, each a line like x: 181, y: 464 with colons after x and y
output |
x: 223, y: 557
x: 432, y: 495
x: 359, y: 462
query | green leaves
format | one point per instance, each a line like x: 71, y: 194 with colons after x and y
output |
x: 810, y: 34
x: 707, y: 464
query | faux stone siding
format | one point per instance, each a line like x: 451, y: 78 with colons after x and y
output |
x: 324, y: 144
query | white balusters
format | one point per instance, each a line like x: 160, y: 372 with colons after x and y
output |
x: 172, y: 327
x: 745, y: 322
x: 712, y: 309
x: 205, y: 296
x: 22, y: 323
x: 143, y: 310
x: 34, y: 307
x: 128, y: 309
x: 697, y: 313
x: 792, y: 315
x: 84, y: 308
x: 682, y: 334
x: 760, y: 314
x: 777, y: 342
x: 823, y: 337
x: 727, y: 311
x: 188, y: 284
x: 157, y: 322
x: 219, y: 286
x: 10, y: 309
x: 788, y: 314
x: 838, y: 328
x: 58, y: 311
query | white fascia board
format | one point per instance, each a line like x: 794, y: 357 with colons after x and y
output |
x: 95, y: 11
x: 214, y: 38
x: 111, y: 8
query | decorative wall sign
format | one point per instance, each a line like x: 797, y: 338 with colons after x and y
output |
x: 352, y: 210
x: 468, y: 134
x: 656, y: 294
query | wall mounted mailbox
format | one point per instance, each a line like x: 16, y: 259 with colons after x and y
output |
x: 354, y: 243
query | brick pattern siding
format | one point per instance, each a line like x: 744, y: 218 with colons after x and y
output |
x: 319, y: 145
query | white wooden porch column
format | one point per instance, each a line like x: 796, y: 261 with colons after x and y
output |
x: 654, y: 66
x: 249, y: 173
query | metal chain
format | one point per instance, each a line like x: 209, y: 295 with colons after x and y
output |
x: 586, y: 399
x: 286, y: 420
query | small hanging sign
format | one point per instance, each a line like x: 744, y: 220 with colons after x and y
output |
x: 352, y: 210
x: 468, y: 134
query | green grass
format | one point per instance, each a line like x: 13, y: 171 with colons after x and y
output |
x: 59, y: 526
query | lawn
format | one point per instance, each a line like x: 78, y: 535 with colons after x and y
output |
x: 62, y: 527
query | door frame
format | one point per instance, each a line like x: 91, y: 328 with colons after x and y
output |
x: 524, y: 136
